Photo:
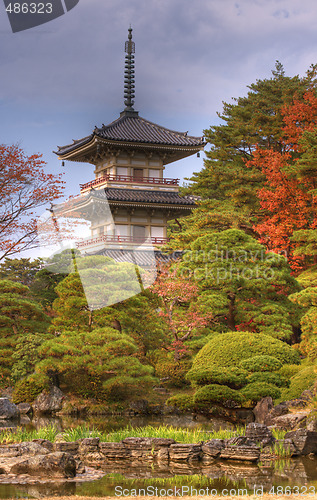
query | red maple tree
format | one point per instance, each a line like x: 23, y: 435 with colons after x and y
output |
x: 288, y: 199
x: 24, y: 188
x: 179, y: 310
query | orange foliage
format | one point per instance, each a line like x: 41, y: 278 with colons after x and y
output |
x: 288, y: 201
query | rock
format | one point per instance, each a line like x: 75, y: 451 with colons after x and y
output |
x: 163, y: 455
x: 45, y: 443
x: 259, y: 433
x: 80, y: 468
x: 180, y: 452
x: 49, y: 402
x: 212, y: 449
x: 32, y: 448
x: 24, y: 420
x: 305, y: 441
x: 8, y: 410
x: 89, y: 445
x: 24, y: 408
x: 262, y: 409
x: 67, y: 446
x: 291, y: 420
x: 239, y: 441
x: 57, y: 465
x: 114, y: 451
x: 11, y: 450
x: 140, y: 407
x: 277, y: 411
x: 250, y: 453
x: 311, y: 421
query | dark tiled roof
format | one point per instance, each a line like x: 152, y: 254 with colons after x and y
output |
x: 136, y: 195
x: 141, y: 258
x: 137, y: 129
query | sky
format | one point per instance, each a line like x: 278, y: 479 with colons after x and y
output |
x: 62, y: 78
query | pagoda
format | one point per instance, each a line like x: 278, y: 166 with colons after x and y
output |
x: 130, y: 201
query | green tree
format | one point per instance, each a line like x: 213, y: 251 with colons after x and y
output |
x: 227, y: 186
x: 241, y: 285
x: 100, y: 363
x: 20, y: 270
x: 19, y: 316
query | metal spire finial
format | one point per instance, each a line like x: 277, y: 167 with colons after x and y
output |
x: 129, y: 81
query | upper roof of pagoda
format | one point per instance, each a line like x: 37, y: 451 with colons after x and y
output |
x: 130, y: 131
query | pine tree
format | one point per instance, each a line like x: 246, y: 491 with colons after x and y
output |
x: 228, y: 186
x: 19, y: 316
x: 241, y: 285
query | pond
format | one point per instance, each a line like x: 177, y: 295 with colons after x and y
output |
x: 298, y: 476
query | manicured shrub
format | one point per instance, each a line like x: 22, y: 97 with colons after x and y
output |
x: 26, y: 390
x: 268, y: 378
x: 183, y: 402
x: 289, y: 371
x: 229, y: 349
x: 261, y: 364
x: 303, y: 380
x: 208, y: 395
x: 233, y: 377
x: 173, y: 371
x: 258, y: 390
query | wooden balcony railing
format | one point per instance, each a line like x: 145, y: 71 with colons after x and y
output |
x: 130, y: 179
x: 107, y: 238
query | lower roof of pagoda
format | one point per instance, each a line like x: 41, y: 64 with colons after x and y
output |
x: 131, y: 133
x: 142, y: 258
x: 124, y: 198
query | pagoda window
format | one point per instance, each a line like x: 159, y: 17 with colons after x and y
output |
x: 154, y: 172
x: 138, y: 174
x: 121, y: 230
x: 122, y: 171
x: 157, y: 232
x: 139, y: 233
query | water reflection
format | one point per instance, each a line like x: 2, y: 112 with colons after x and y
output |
x: 299, y: 473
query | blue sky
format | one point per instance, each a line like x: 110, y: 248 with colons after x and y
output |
x: 61, y: 79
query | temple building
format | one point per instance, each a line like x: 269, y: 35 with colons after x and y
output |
x: 129, y: 157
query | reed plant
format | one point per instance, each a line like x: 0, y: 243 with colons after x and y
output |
x: 180, y: 435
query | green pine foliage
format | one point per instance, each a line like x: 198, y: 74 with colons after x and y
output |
x: 209, y: 395
x: 255, y: 391
x: 261, y: 363
x: 100, y: 363
x: 304, y: 380
x: 228, y: 187
x: 243, y: 286
x: 238, y: 362
x: 229, y: 349
x: 20, y: 270
x: 232, y: 376
x: 19, y: 316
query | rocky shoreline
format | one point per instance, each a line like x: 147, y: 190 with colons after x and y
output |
x: 86, y: 459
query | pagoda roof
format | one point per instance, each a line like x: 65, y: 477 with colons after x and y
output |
x: 125, y: 197
x: 132, y: 128
x: 140, y: 196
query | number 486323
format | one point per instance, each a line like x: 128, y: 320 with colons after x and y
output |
x: 32, y: 8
